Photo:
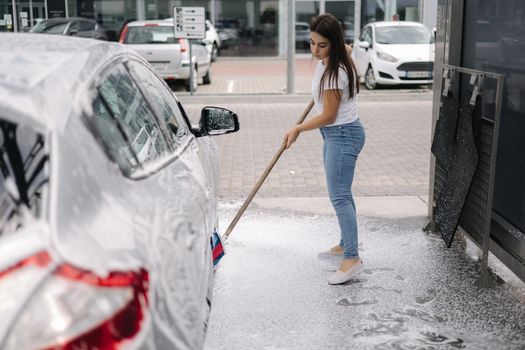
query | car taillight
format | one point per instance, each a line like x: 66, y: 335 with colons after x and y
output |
x: 123, y: 34
x: 183, y: 45
x: 76, y: 309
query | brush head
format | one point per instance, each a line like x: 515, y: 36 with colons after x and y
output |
x: 217, y: 248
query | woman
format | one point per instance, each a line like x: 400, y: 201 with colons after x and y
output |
x: 334, y: 88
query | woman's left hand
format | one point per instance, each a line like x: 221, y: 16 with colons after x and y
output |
x: 291, y: 136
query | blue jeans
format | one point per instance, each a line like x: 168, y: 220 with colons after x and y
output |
x: 342, y: 144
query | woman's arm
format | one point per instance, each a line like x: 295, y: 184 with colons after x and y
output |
x: 331, y: 100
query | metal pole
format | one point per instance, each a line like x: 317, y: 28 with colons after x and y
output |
x: 141, y: 10
x: 67, y: 10
x: 212, y: 12
x: 357, y: 19
x: 191, y: 68
x: 290, y: 83
x: 484, y: 278
x: 30, y: 13
x: 15, y: 19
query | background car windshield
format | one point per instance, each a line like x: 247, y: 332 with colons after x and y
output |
x: 403, y: 35
x: 49, y: 27
x: 150, y: 35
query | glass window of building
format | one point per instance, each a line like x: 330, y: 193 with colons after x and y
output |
x: 111, y: 14
x: 28, y: 14
x: 389, y: 10
x: 494, y: 42
x: 245, y: 27
x: 344, y: 11
x: 304, y: 11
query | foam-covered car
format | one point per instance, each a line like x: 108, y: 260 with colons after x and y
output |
x: 108, y: 200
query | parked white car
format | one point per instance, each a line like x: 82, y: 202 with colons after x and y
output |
x: 212, y: 41
x: 394, y: 53
x: 155, y: 41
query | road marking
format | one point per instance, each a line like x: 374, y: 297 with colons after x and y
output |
x: 230, y: 86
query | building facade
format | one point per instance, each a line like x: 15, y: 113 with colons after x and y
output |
x: 247, y: 27
x: 486, y: 38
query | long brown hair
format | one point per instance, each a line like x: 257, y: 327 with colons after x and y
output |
x: 329, y: 27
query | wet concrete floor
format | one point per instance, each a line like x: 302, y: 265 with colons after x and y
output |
x: 270, y: 291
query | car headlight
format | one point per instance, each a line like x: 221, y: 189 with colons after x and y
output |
x: 386, y: 57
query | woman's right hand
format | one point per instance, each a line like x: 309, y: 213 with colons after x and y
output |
x: 291, y: 136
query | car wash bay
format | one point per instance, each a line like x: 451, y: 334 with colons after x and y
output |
x: 270, y: 289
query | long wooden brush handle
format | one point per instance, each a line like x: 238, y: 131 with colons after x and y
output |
x: 263, y: 177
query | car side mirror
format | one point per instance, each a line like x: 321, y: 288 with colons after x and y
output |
x: 364, y: 45
x: 73, y: 32
x: 217, y: 121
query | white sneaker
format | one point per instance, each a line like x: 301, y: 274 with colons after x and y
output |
x: 340, y: 277
x: 330, y: 254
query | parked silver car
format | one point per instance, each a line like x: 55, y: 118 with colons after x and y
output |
x: 80, y: 27
x: 155, y: 41
x: 302, y: 36
x: 108, y: 200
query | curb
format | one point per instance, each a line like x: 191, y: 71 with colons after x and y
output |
x: 406, y: 95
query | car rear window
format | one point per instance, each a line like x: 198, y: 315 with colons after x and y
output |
x: 150, y: 35
x: 24, y: 178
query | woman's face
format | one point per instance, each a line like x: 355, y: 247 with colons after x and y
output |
x: 320, y: 46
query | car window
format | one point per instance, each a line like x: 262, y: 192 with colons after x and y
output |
x: 150, y: 35
x: 131, y: 110
x: 23, y: 174
x: 403, y: 35
x: 86, y: 26
x: 159, y: 93
x: 367, y: 35
x: 74, y: 26
x: 49, y: 27
x: 112, y: 138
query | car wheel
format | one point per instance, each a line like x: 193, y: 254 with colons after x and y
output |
x: 214, y: 52
x: 189, y: 81
x: 370, y: 80
x: 206, y: 80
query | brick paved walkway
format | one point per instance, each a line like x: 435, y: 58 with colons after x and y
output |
x: 395, y: 160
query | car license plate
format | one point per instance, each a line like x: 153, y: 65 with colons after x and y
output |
x: 419, y: 74
x: 158, y: 66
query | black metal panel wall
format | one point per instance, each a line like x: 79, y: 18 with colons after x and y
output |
x: 489, y: 36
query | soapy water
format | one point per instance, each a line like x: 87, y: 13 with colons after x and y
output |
x: 414, y: 293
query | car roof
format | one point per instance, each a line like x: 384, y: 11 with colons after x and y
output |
x: 69, y: 19
x: 160, y: 22
x: 395, y: 23
x: 46, y: 75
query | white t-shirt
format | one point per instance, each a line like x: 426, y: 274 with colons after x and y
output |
x: 347, y: 112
